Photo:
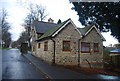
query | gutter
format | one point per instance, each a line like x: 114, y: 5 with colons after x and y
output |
x: 42, y: 39
x: 53, y: 60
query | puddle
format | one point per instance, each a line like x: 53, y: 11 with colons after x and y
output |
x: 14, y: 49
x: 108, y: 77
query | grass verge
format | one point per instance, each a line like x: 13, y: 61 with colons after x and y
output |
x: 5, y: 48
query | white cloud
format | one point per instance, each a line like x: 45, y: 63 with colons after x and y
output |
x: 16, y: 14
x: 15, y: 31
x: 59, y: 9
x: 7, y: 3
x: 109, y: 39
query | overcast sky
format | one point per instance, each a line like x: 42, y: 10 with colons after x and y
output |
x: 56, y: 9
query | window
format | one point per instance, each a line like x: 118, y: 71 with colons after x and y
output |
x: 85, y: 47
x: 45, y: 46
x: 33, y: 47
x: 38, y: 45
x: 66, y: 45
x: 96, y: 49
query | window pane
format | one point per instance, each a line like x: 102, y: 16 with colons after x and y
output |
x: 85, y: 47
x: 66, y: 45
x: 38, y: 45
x: 33, y: 47
x: 45, y: 46
x: 96, y: 49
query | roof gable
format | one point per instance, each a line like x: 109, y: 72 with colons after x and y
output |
x: 52, y: 31
x: 97, y: 32
x: 85, y: 31
x: 64, y: 25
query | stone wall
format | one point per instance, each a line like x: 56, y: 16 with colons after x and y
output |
x: 46, y: 55
x: 93, y: 57
x: 68, y: 34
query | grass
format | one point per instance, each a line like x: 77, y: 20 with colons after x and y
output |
x: 6, y: 48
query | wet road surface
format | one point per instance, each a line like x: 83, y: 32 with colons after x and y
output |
x: 16, y: 66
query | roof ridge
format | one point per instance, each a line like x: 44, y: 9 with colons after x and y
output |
x: 45, y: 22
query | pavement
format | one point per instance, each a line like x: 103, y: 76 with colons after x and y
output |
x: 58, y: 72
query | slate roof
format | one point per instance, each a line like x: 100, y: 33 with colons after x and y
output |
x: 51, y: 31
x: 84, y: 30
x: 115, y: 51
x: 42, y: 27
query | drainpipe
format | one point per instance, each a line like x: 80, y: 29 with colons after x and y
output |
x: 79, y: 52
x: 53, y: 60
x: 79, y: 49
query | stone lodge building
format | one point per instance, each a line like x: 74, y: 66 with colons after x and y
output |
x: 65, y: 44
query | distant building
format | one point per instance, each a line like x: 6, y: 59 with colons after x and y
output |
x: 115, y: 52
x: 115, y: 57
x: 2, y: 43
x: 65, y: 44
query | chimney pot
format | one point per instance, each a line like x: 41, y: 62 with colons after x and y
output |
x: 50, y: 20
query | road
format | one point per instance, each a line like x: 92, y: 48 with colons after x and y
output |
x: 16, y: 66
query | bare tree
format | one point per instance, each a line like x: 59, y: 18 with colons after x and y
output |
x: 5, y: 26
x: 36, y: 13
x: 14, y: 44
x: 23, y: 38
